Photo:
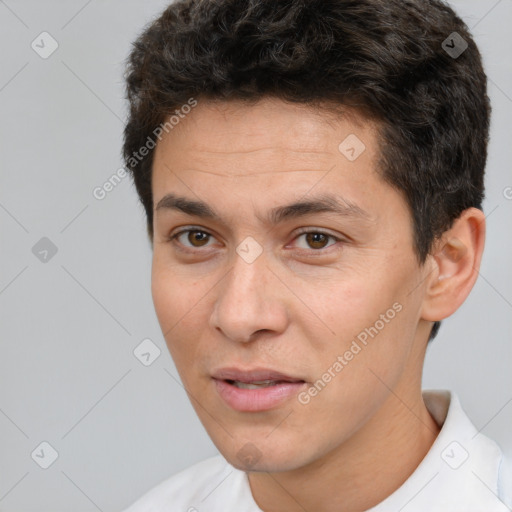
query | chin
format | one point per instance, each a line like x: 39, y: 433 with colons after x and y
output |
x: 263, y: 456
x: 263, y: 466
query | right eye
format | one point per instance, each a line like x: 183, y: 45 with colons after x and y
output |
x: 195, y: 237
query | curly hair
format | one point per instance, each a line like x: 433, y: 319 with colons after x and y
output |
x: 388, y: 59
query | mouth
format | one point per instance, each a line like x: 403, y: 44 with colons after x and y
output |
x: 255, y: 390
x: 254, y: 385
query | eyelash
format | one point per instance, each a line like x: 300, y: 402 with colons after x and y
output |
x: 174, y: 236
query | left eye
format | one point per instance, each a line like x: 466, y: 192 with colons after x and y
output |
x: 317, y: 239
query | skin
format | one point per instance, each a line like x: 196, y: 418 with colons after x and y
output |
x: 302, y: 302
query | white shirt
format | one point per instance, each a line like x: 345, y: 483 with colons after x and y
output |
x: 464, y: 471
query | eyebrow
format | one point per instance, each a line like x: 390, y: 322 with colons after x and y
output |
x: 325, y: 203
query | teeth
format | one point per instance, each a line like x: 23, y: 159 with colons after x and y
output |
x: 254, y: 385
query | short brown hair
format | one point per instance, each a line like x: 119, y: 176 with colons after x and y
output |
x: 391, y: 59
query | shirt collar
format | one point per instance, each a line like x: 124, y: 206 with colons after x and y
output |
x: 460, y: 471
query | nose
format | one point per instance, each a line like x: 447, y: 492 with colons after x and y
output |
x: 251, y: 299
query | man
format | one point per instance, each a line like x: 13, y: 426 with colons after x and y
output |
x: 312, y: 174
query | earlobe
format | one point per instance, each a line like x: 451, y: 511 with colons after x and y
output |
x: 456, y: 256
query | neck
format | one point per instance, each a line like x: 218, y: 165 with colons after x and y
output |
x: 361, y: 472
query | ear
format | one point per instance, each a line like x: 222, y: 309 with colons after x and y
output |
x: 454, y: 263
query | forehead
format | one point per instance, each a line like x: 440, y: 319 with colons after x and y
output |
x: 237, y: 138
x: 266, y: 154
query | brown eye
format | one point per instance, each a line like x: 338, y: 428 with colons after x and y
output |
x: 316, y: 240
x: 197, y: 238
x: 191, y: 238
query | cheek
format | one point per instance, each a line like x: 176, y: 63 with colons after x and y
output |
x: 347, y: 306
x: 174, y: 295
x: 181, y: 304
x: 164, y: 293
x: 368, y: 321
x: 174, y: 301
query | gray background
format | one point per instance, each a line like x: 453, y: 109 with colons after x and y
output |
x: 68, y: 375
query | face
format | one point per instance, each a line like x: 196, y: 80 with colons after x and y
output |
x: 284, y: 278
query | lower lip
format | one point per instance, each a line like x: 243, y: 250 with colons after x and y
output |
x: 261, y: 399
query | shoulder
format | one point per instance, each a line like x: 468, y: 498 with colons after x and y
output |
x: 189, y: 489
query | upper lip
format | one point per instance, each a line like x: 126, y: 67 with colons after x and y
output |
x: 252, y: 375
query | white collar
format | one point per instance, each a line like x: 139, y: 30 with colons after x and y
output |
x: 460, y: 471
